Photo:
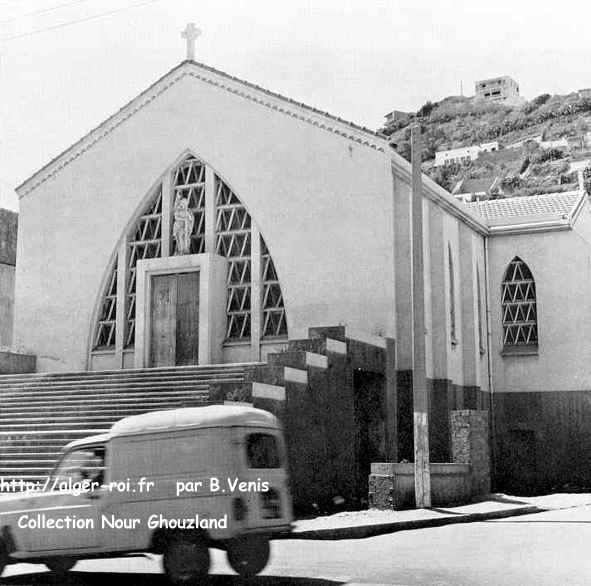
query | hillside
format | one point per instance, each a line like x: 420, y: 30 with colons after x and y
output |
x: 459, y: 121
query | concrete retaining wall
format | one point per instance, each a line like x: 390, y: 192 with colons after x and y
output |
x: 391, y: 486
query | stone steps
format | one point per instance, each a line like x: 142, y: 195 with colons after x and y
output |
x: 147, y: 391
x: 40, y: 413
x: 121, y: 382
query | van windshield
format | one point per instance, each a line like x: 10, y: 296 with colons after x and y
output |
x: 84, y: 463
x: 262, y: 451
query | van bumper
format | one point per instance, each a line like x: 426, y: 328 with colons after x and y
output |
x: 279, y: 531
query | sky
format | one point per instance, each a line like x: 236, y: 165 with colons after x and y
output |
x: 357, y: 59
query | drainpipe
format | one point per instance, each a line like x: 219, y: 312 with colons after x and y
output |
x: 492, y: 433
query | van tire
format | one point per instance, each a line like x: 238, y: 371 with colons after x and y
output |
x: 248, y: 556
x: 185, y: 560
x: 60, y: 566
x: 3, y: 556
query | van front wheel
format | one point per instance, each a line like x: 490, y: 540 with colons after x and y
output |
x: 185, y: 560
x: 249, y: 556
x: 60, y: 566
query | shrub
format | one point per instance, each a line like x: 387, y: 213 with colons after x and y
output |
x: 541, y: 99
x: 426, y: 109
x: 548, y: 155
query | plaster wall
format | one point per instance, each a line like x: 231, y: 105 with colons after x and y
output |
x: 6, y: 303
x: 461, y: 362
x: 561, y: 266
x: 323, y: 204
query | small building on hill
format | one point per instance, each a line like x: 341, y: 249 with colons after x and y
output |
x: 503, y: 89
x: 395, y: 116
x: 464, y: 154
x: 468, y: 190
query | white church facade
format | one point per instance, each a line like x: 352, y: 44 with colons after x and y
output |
x: 210, y: 221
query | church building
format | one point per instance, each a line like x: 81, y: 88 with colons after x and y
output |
x: 213, y: 222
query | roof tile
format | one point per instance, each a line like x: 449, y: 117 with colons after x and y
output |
x: 517, y: 209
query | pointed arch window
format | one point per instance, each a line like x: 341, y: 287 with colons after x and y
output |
x: 144, y: 241
x: 274, y: 323
x: 518, y: 297
x: 189, y: 183
x: 106, y: 325
x: 223, y: 226
x: 481, y: 346
x: 233, y: 234
x: 452, y: 297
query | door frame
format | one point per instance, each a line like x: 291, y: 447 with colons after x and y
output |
x: 212, y: 302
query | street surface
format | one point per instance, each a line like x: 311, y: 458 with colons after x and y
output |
x: 550, y: 548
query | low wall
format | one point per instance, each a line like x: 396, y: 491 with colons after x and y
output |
x: 12, y: 363
x: 392, y: 486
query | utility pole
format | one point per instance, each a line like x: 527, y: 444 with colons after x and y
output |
x: 419, y: 373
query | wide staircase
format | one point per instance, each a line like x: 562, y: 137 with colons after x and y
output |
x: 41, y: 413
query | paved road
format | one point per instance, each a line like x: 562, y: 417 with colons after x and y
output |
x: 550, y: 548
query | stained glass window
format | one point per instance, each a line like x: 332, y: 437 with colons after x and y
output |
x: 232, y: 238
x: 518, y: 296
x: 106, y: 325
x: 145, y: 241
x: 452, y: 297
x: 233, y: 241
x: 274, y: 323
x: 189, y: 183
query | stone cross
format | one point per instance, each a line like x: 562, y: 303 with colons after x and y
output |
x: 190, y: 33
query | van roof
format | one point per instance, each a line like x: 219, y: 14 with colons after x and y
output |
x: 207, y: 416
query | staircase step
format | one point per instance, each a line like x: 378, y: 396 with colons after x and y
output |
x: 101, y: 403
x: 41, y: 413
x: 81, y: 386
x: 155, y: 391
x: 174, y: 370
x: 117, y: 383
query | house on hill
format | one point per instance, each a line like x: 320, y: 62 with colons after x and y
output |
x: 503, y: 89
x: 468, y: 190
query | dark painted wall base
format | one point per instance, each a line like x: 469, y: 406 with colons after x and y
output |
x: 444, y: 397
x: 542, y: 441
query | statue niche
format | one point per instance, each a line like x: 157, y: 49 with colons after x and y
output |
x: 183, y: 225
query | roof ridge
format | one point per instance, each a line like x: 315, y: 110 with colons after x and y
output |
x: 145, y: 97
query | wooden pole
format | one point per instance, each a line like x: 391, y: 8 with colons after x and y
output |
x: 419, y: 373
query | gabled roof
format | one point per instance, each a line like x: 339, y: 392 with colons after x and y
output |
x: 475, y: 185
x: 220, y: 79
x: 530, y: 213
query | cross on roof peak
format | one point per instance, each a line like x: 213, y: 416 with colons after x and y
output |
x: 190, y: 33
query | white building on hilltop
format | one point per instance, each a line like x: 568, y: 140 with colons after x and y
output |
x: 502, y: 89
x: 464, y: 154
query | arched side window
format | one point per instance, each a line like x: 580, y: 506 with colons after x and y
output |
x: 518, y: 298
x: 232, y: 234
x: 481, y: 346
x: 452, y: 297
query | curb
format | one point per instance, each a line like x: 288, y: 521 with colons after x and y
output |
x: 362, y: 531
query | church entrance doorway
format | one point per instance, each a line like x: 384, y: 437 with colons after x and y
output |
x: 174, y: 319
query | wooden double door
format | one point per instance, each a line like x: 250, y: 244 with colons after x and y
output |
x: 174, y: 319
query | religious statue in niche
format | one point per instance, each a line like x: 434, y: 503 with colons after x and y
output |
x: 183, y: 225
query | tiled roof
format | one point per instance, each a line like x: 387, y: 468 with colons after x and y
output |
x: 519, y: 210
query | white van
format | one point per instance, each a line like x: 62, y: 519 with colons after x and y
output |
x: 170, y: 482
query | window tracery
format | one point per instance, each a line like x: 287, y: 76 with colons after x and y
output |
x: 519, y: 304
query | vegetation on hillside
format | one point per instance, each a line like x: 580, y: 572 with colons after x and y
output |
x: 458, y: 121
